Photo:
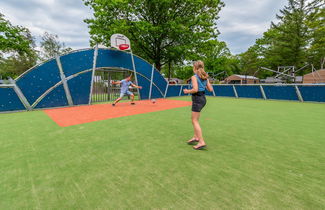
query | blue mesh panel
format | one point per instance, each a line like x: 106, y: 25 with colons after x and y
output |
x: 313, y: 93
x: 55, y: 98
x: 249, y: 91
x: 36, y: 82
x: 280, y: 92
x: 224, y: 90
x: 173, y: 90
x: 80, y: 88
x: 77, y: 62
x: 9, y: 100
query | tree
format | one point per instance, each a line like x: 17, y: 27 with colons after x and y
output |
x: 14, y: 39
x: 316, y: 24
x: 16, y: 64
x: 161, y: 31
x: 216, y: 56
x: 294, y: 41
x: 52, y: 47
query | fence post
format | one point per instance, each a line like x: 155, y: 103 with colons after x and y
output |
x: 299, y: 94
x: 93, y: 73
x: 151, y: 80
x: 235, y: 91
x: 64, y: 81
x: 135, y: 74
x: 180, y: 91
x: 166, y: 89
x: 214, y: 94
x: 20, y: 95
x: 263, y: 93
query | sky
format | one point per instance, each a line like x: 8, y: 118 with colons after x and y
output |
x: 241, y: 21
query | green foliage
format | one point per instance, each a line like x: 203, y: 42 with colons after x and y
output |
x: 52, y: 47
x: 17, y: 49
x: 216, y: 56
x: 16, y: 64
x: 161, y: 31
x: 316, y: 23
x: 14, y: 39
x: 297, y: 39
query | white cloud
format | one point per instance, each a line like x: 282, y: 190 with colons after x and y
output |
x: 64, y: 18
x: 240, y: 23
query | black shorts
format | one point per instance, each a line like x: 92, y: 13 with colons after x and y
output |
x: 198, y: 101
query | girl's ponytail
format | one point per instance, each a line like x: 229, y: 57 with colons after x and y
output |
x: 199, y: 67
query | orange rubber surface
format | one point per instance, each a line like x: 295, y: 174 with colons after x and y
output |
x: 84, y: 114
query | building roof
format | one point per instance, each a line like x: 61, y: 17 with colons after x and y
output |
x: 245, y: 76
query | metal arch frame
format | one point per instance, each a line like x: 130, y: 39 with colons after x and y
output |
x: 64, y: 81
x: 18, y: 92
x: 93, y: 73
x: 40, y: 64
x: 124, y: 69
x: 38, y: 100
x: 142, y: 59
x: 135, y: 71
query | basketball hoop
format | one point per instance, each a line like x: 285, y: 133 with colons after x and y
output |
x: 124, y: 46
x: 121, y: 42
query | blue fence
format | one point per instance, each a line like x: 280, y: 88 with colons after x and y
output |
x: 67, y: 81
x: 293, y: 92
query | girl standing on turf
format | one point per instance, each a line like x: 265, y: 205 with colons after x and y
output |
x: 200, y: 82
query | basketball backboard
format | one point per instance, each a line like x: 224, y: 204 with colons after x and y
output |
x: 119, y: 39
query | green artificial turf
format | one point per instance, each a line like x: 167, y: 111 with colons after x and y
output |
x: 261, y: 155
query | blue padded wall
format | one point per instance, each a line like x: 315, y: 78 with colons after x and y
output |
x: 208, y: 93
x: 9, y: 100
x: 55, y: 98
x: 114, y: 58
x: 173, y: 90
x: 144, y: 92
x: 313, y: 93
x: 156, y: 93
x: 80, y: 88
x: 253, y: 91
x: 36, y: 82
x: 224, y: 90
x: 280, y: 92
x: 159, y: 81
x: 185, y: 87
x: 77, y: 61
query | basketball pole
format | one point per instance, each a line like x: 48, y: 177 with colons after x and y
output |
x: 135, y: 73
x: 151, y: 80
x: 93, y: 73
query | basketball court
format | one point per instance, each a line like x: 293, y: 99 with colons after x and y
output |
x: 69, y: 116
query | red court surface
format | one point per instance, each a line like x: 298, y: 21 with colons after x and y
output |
x: 84, y: 114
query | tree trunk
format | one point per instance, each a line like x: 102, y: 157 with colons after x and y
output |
x: 158, y: 65
x: 169, y: 70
